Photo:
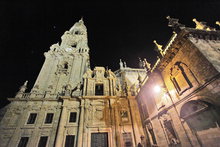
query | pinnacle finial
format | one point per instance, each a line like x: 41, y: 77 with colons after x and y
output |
x: 199, y: 25
x: 23, y: 87
x: 25, y: 83
x: 202, y: 25
x: 158, y: 47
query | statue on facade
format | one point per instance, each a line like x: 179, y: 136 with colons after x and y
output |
x: 125, y: 65
x: 140, y: 63
x: 121, y: 64
x: 125, y: 88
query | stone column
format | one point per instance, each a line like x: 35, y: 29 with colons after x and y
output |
x: 87, y: 116
x: 117, y: 126
x: 81, y: 122
x: 60, y: 132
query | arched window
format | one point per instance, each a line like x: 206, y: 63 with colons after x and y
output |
x: 182, y: 77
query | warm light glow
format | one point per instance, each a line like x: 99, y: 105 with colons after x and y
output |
x: 157, y: 89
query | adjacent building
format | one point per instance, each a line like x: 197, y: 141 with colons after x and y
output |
x: 180, y: 100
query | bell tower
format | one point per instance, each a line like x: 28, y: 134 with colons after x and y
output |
x: 65, y: 63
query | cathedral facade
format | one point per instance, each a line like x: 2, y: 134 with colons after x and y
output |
x: 73, y: 105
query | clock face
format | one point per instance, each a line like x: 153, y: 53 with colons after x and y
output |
x: 68, y: 49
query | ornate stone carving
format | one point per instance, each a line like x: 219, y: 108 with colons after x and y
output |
x: 174, y: 23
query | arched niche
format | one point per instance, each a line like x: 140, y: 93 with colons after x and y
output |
x: 200, y: 115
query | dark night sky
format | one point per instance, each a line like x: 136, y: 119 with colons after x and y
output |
x: 116, y: 30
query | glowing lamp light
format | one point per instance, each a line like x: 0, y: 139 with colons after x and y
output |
x: 157, y: 89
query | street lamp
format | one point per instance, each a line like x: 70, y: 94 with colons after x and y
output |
x: 157, y: 89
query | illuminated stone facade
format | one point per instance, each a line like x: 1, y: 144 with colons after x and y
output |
x: 184, y: 109
x: 73, y: 105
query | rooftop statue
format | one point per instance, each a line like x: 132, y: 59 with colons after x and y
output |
x: 121, y: 64
x: 174, y: 23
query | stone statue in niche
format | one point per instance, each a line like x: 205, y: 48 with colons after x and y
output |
x: 124, y: 115
x: 125, y: 88
x: 169, y: 129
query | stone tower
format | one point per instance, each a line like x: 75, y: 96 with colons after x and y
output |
x: 66, y: 63
x: 73, y: 106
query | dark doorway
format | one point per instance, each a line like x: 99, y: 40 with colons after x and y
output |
x: 99, y: 140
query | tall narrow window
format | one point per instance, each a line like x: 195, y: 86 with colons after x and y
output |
x: 69, y: 141
x: 72, y: 117
x: 99, y: 89
x: 32, y: 118
x: 49, y: 118
x: 43, y: 141
x: 176, y: 85
x: 23, y: 142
